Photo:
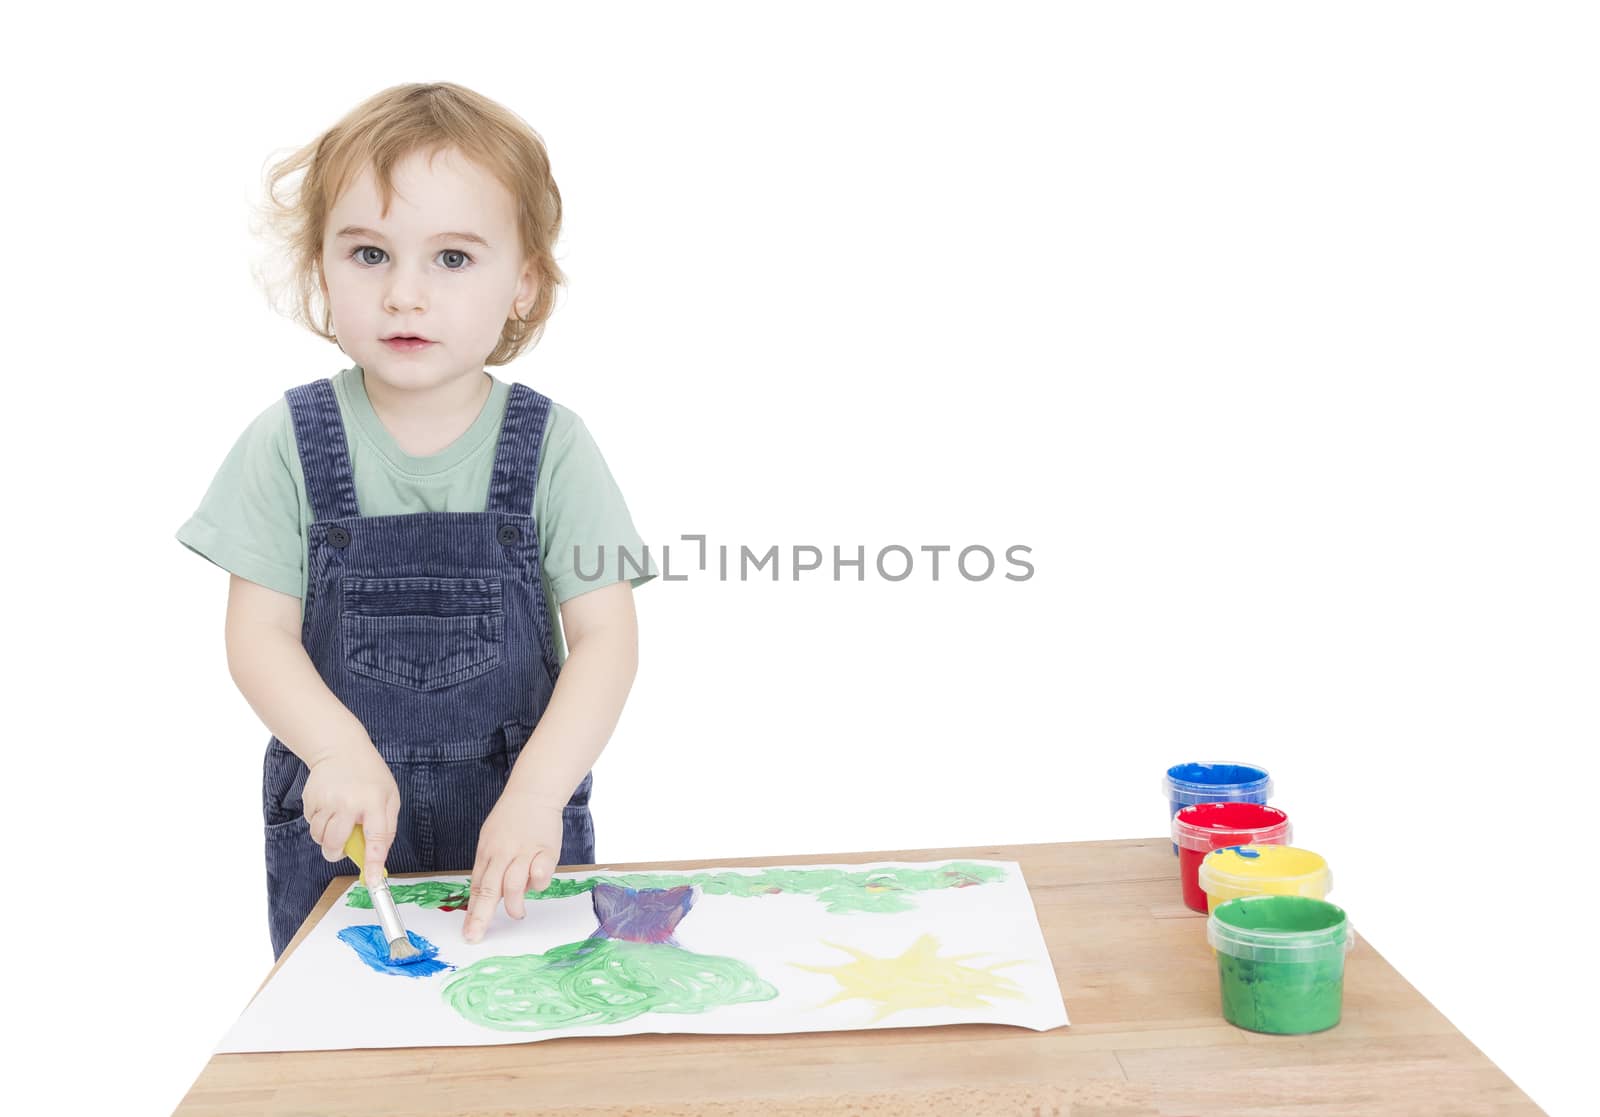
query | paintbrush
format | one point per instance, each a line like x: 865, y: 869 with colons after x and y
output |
x: 400, y: 948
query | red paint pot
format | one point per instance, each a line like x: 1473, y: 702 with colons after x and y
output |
x: 1203, y: 827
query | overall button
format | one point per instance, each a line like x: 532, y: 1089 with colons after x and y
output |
x: 509, y: 534
x: 339, y: 537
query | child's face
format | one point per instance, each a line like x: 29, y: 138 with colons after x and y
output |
x: 411, y: 273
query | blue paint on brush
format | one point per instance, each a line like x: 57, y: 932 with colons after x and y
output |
x: 372, y: 947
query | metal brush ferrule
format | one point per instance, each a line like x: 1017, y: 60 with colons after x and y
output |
x: 383, y: 904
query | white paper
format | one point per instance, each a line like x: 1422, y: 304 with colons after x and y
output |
x: 966, y: 949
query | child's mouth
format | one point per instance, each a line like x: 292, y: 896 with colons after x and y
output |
x: 406, y: 344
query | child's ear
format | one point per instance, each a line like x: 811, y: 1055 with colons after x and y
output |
x: 327, y: 303
x: 527, y: 291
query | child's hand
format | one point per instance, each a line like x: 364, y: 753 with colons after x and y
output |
x: 519, y: 846
x: 346, y: 787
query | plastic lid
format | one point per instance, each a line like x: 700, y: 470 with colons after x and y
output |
x: 1246, y: 868
x: 1205, y: 826
x: 1280, y: 929
x: 1215, y: 782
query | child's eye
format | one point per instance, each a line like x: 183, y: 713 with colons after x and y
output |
x: 359, y: 254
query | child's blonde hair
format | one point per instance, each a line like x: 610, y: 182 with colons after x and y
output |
x: 381, y: 132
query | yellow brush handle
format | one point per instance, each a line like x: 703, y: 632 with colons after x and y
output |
x: 355, y: 848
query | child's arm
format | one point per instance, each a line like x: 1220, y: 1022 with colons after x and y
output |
x: 349, y: 781
x: 269, y: 665
x: 602, y: 633
x: 520, y: 844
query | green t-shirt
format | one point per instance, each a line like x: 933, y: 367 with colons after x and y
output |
x: 253, y: 519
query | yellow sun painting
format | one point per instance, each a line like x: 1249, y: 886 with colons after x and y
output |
x: 919, y: 978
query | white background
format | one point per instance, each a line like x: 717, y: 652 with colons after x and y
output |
x: 1269, y: 328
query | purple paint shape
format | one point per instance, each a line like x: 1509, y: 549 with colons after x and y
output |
x: 640, y: 915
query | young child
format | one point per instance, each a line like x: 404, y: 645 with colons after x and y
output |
x: 401, y: 535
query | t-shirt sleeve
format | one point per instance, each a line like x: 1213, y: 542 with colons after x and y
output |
x: 249, y: 520
x: 588, y: 537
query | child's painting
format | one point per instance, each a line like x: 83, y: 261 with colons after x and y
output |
x: 739, y: 951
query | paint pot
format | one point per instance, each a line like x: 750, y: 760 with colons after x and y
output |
x: 1280, y: 962
x: 1273, y: 870
x: 1202, y: 827
x: 1187, y: 784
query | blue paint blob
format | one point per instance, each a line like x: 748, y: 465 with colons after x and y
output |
x: 372, y: 947
x: 1243, y: 851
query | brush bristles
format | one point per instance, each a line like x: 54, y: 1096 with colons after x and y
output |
x: 401, y: 948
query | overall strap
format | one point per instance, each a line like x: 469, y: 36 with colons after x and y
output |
x: 516, y: 458
x: 324, y: 455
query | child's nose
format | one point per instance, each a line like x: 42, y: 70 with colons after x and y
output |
x: 406, y: 291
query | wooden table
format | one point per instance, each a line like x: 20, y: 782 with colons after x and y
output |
x: 1140, y: 984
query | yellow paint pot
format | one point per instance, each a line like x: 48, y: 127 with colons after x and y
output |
x: 1264, y: 870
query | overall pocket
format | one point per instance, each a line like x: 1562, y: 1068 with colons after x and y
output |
x: 283, y: 783
x: 423, y: 633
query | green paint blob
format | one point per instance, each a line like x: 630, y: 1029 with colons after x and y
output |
x: 425, y: 894
x: 598, y: 981
x: 1280, y: 962
x: 870, y: 890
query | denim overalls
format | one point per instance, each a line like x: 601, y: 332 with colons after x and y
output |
x: 433, y: 629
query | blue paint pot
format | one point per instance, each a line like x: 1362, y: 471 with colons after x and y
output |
x: 1187, y: 784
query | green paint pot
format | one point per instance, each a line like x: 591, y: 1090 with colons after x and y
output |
x: 1280, y: 960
